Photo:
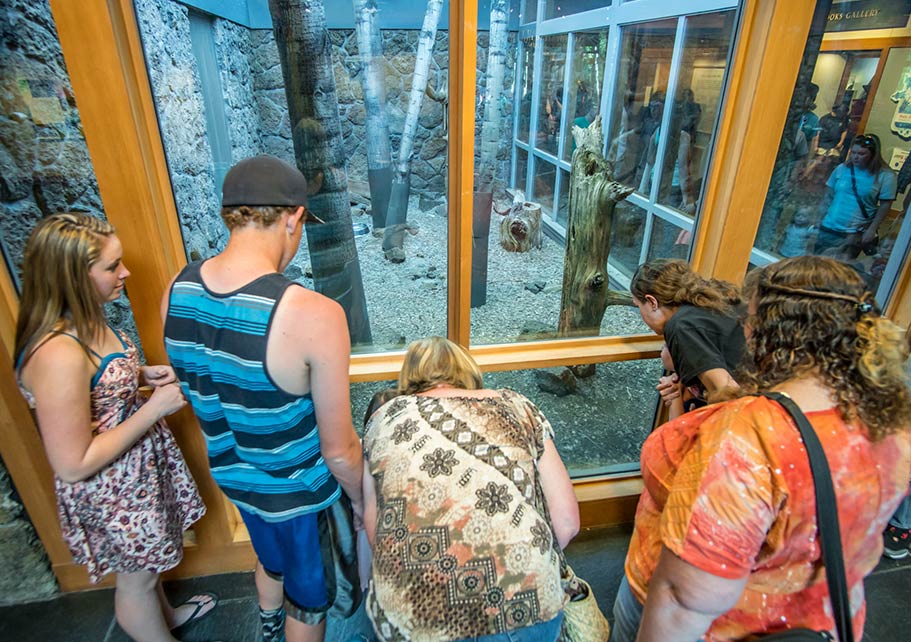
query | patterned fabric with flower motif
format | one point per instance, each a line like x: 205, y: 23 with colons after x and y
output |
x: 131, y: 515
x: 463, y: 548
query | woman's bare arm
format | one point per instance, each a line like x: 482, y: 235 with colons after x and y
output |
x: 559, y: 494
x: 59, y: 376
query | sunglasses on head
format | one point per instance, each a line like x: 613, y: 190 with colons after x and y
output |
x: 866, y: 141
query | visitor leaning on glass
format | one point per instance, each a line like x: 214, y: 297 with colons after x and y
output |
x: 859, y: 195
x: 468, y: 507
x: 728, y: 516
x: 697, y: 319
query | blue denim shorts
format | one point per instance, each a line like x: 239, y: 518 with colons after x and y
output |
x: 290, y: 552
x: 543, y: 632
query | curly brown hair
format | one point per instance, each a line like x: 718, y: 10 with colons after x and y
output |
x: 262, y: 215
x: 673, y: 283
x: 813, y: 316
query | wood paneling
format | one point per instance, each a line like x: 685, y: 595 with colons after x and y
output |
x: 463, y: 30
x: 769, y: 50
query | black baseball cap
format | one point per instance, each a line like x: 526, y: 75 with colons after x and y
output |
x: 265, y: 180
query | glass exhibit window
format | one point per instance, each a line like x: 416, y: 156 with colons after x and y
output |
x: 639, y: 100
x: 668, y: 241
x: 695, y: 109
x: 686, y: 57
x: 372, y: 147
x: 46, y: 166
x: 552, y: 99
x: 840, y: 180
x: 559, y: 8
x: 627, y: 233
x: 599, y: 421
x: 585, y: 84
x: 542, y: 190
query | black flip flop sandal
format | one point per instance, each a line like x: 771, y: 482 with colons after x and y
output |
x: 198, y: 605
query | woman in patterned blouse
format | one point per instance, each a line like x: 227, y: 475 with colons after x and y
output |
x: 467, y: 506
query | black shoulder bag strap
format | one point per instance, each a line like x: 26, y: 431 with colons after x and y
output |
x: 860, y: 203
x: 826, y: 519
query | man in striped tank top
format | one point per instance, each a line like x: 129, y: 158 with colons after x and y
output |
x: 264, y: 363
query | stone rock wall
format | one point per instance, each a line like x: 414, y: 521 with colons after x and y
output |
x: 233, y: 47
x: 25, y: 573
x: 269, y: 94
x: 399, y: 49
x: 44, y: 162
x: 176, y: 87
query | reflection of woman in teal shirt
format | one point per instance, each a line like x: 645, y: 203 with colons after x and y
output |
x: 859, y: 195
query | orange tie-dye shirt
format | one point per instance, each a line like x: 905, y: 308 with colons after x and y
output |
x: 729, y: 490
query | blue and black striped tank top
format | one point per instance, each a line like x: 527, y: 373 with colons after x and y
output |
x: 262, y: 442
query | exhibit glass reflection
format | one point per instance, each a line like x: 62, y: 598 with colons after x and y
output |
x: 584, y: 100
x: 551, y: 103
x: 599, y: 421
x: 373, y: 151
x: 849, y: 104
x: 695, y: 109
x: 639, y: 101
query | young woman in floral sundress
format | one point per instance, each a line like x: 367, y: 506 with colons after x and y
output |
x: 124, y: 493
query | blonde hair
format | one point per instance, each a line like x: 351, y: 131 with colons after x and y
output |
x: 56, y: 286
x: 435, y: 360
x: 815, y: 317
x: 263, y: 215
x: 673, y: 283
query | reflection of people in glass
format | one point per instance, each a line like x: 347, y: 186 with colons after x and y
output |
x: 627, y: 144
x: 807, y: 134
x: 855, y: 115
x: 651, y: 131
x: 832, y: 129
x: 800, y: 234
x: 549, y: 120
x: 859, y: 195
x: 683, y: 193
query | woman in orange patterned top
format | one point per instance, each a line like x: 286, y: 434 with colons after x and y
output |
x: 467, y: 505
x: 726, y: 543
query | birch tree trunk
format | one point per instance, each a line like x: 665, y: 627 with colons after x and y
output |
x: 398, y: 202
x: 306, y: 58
x: 496, y: 66
x: 379, y: 151
x: 593, y: 195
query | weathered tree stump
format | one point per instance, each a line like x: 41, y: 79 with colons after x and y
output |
x: 593, y: 195
x: 520, y: 229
